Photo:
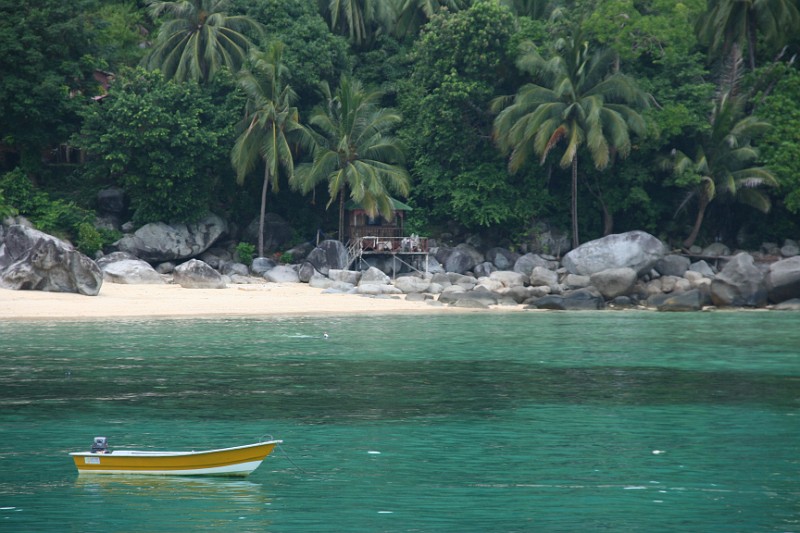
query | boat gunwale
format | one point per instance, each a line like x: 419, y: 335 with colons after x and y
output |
x: 156, y: 453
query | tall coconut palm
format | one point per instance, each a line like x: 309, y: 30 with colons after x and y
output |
x: 728, y: 24
x: 354, y: 151
x: 198, y: 38
x: 269, y: 124
x: 535, y: 9
x: 576, y: 100
x: 724, y: 164
x: 357, y: 19
x: 411, y: 15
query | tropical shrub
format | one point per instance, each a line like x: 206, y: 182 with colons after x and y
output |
x: 154, y: 138
x: 245, y: 252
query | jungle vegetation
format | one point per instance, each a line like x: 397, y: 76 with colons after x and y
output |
x: 493, y: 118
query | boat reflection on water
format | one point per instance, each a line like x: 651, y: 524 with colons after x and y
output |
x: 210, y: 498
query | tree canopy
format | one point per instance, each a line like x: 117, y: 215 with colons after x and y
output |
x: 76, y: 115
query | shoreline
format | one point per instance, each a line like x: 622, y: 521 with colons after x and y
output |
x: 120, y: 301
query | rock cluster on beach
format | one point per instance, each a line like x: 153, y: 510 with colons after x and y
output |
x: 32, y: 260
x: 621, y: 271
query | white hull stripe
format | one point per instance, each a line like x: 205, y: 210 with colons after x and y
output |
x: 241, y: 469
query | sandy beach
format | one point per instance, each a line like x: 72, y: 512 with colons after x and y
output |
x: 129, y: 301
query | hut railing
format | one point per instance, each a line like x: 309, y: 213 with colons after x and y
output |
x: 377, y: 244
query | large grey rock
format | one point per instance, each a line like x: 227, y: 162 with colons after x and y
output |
x: 543, y: 276
x: 466, y: 282
x: 454, y: 294
x: 508, y: 278
x: 451, y: 294
x: 484, y: 269
x: 33, y: 260
x: 375, y: 289
x: 348, y: 276
x: 520, y: 294
x: 282, y: 274
x: 277, y: 232
x: 373, y: 276
x: 635, y: 249
x: 460, y: 260
x: 692, y: 300
x: 307, y: 271
x: 235, y: 269
x: 262, y: 265
x: 788, y: 305
x: 673, y: 265
x: 318, y: 281
x: 485, y: 283
x: 328, y: 255
x: 216, y: 257
x: 790, y: 249
x: 575, y: 281
x: 614, y: 281
x: 579, y: 300
x: 739, y: 284
x: 131, y: 272
x: 195, y: 274
x: 526, y: 264
x: 167, y: 267
x: 388, y: 264
x: 703, y: 268
x: 502, y: 258
x: 783, y: 280
x: 158, y: 241
x: 113, y: 257
x: 412, y: 284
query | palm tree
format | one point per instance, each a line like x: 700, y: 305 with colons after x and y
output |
x: 269, y: 124
x: 354, y: 152
x: 535, y: 9
x: 198, y: 38
x: 576, y: 99
x: 729, y: 24
x: 411, y: 15
x: 356, y: 18
x: 724, y: 164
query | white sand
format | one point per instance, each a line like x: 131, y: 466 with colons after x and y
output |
x: 119, y: 300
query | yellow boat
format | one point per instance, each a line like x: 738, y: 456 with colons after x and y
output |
x: 236, y: 461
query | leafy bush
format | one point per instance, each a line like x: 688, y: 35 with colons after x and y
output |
x: 6, y: 209
x: 287, y: 258
x: 58, y: 217
x: 156, y: 139
x: 246, y: 252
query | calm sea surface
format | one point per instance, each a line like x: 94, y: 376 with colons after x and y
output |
x: 487, y: 422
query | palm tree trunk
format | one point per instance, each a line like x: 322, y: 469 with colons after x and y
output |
x: 608, y: 219
x: 751, y: 39
x: 341, y: 215
x: 701, y: 211
x: 263, y: 212
x: 574, y: 208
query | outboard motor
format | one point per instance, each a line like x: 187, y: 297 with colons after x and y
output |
x: 100, y: 445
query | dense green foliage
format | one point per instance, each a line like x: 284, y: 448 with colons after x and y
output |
x: 77, y: 116
x: 268, y: 126
x: 576, y: 101
x: 154, y: 138
x: 198, y: 38
x: 780, y: 148
x: 354, y: 152
x: 459, y: 64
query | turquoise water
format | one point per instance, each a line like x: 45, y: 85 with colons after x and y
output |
x: 478, y: 422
